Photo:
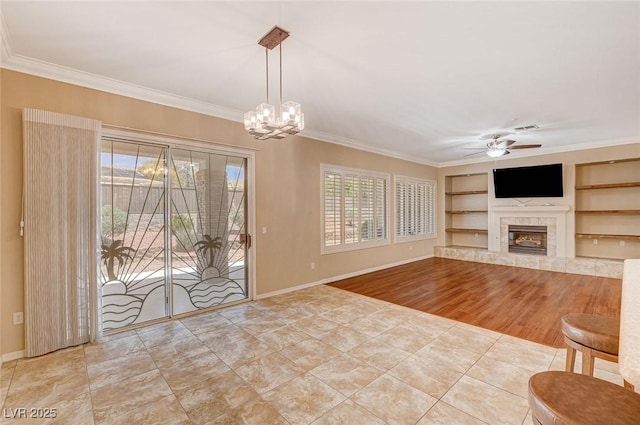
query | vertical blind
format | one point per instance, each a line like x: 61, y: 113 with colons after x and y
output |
x: 60, y: 238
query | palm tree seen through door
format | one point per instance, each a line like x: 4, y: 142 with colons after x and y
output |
x: 208, y: 225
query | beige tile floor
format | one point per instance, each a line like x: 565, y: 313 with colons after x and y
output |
x: 315, y: 356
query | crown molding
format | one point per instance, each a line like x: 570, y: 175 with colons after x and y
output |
x: 85, y: 79
x: 51, y: 71
x: 354, y: 144
x: 14, y: 62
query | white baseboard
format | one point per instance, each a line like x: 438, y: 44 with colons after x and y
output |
x: 287, y: 290
x: 12, y: 356
x: 340, y: 277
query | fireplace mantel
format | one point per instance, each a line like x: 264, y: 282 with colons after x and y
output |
x: 529, y: 209
x: 556, y: 215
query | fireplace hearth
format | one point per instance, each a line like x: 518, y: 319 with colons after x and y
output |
x: 524, y: 239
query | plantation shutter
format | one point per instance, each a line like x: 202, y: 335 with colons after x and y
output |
x: 332, y: 209
x: 415, y: 208
x: 355, y: 207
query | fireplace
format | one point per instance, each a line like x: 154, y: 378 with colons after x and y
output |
x: 554, y: 217
x: 528, y: 239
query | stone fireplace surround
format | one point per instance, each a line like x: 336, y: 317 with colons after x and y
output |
x: 552, y: 216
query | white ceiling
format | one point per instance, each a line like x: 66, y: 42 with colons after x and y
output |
x: 417, y: 80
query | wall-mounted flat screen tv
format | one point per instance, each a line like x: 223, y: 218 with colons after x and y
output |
x: 539, y: 181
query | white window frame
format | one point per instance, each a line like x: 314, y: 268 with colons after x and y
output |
x: 344, y: 245
x: 417, y: 220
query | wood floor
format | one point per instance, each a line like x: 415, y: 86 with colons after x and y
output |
x: 515, y: 301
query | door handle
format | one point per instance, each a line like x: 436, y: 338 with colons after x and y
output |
x: 245, y: 238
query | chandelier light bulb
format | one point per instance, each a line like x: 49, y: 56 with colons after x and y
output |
x: 250, y: 120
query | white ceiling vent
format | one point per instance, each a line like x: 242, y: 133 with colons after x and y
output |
x: 527, y: 127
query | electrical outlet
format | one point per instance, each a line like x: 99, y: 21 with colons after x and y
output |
x: 313, y: 266
x: 595, y: 242
x: 18, y: 318
x: 622, y: 243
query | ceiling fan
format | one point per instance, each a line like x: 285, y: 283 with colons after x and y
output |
x: 499, y: 146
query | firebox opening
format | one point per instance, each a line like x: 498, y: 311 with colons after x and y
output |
x: 528, y: 239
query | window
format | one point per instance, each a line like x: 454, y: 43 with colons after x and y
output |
x: 415, y: 208
x: 355, y: 208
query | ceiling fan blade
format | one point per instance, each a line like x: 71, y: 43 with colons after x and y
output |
x: 475, y: 153
x: 525, y: 146
x: 474, y: 149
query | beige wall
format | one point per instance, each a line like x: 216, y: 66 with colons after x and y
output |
x: 568, y: 159
x: 287, y: 188
x: 292, y: 193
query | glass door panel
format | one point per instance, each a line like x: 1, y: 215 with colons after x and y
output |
x: 208, y: 230
x: 133, y: 248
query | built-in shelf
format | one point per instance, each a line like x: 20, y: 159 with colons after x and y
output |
x: 600, y: 236
x: 459, y: 230
x: 466, y: 211
x: 607, y: 209
x: 607, y: 185
x: 608, y: 212
x: 467, y: 192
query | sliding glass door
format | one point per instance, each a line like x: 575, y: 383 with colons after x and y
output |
x: 208, y: 230
x: 174, y: 234
x: 133, y: 246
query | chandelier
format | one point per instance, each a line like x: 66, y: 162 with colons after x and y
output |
x: 263, y: 123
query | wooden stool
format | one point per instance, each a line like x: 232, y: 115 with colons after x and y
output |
x: 562, y: 398
x: 594, y: 335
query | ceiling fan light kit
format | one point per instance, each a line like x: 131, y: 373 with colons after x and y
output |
x: 263, y: 123
x: 496, y: 152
